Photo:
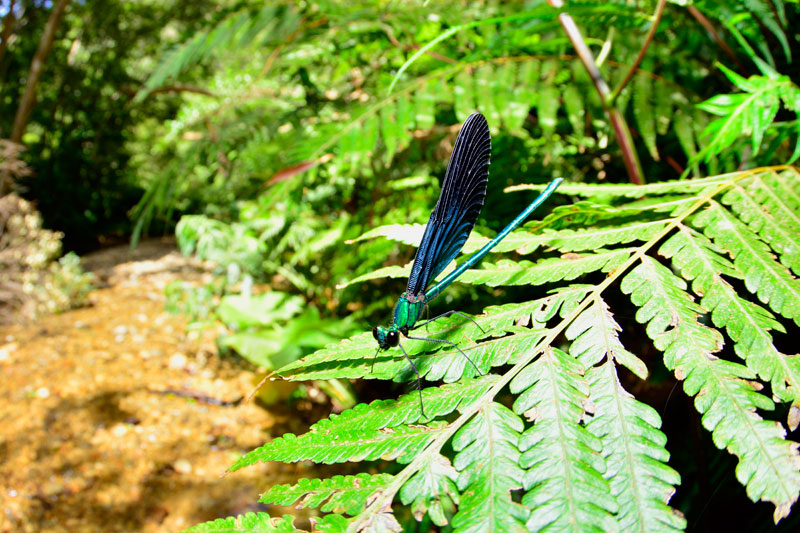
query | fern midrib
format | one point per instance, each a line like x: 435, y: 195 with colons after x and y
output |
x: 563, y: 441
x: 787, y: 210
x: 385, y: 498
x: 787, y: 188
x: 491, y: 465
x: 756, y: 255
x: 770, y: 220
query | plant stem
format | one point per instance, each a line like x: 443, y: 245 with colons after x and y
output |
x: 704, y: 22
x: 621, y: 130
x: 647, y: 40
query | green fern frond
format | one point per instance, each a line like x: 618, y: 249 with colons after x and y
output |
x: 488, y: 460
x: 250, y: 522
x: 563, y: 461
x: 770, y: 280
x: 507, y: 272
x: 747, y: 323
x: 634, y: 452
x: 399, y: 443
x: 339, y: 494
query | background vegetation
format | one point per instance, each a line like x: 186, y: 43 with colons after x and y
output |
x: 273, y: 137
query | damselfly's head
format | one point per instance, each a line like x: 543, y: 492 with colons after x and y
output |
x: 386, y: 337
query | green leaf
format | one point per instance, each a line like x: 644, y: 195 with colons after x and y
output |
x: 239, y: 311
x: 464, y: 99
x: 547, y: 109
x: 644, y: 114
x: 574, y: 106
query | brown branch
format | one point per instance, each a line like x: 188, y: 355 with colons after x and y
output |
x: 45, y: 45
x: 705, y: 23
x: 621, y: 130
x: 182, y: 89
x: 647, y: 40
x: 8, y: 23
x: 28, y: 99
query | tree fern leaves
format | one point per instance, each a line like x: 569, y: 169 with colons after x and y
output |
x: 768, y: 464
x: 644, y: 113
x: 578, y: 451
x: 748, y: 324
x: 488, y: 462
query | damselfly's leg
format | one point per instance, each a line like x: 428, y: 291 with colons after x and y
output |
x: 454, y: 345
x: 419, y: 379
x: 447, y: 314
x: 372, y: 368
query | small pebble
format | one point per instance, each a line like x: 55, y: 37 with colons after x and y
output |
x: 6, y: 350
x: 182, y: 466
x: 119, y: 430
x: 177, y: 361
x: 119, y: 330
x: 42, y: 392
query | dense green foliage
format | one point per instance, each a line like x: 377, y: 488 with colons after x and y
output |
x: 302, y: 155
x: 84, y: 129
x: 328, y: 127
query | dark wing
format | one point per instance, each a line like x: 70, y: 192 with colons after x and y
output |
x: 463, y: 192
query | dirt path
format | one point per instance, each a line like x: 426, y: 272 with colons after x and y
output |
x: 113, y: 420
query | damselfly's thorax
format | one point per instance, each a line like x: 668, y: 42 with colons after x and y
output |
x: 408, y: 310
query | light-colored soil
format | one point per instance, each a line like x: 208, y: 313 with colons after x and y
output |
x: 113, y: 419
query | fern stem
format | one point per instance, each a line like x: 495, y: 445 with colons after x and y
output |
x: 621, y: 130
x: 647, y: 40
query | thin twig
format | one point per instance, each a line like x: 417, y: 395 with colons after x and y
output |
x: 621, y: 129
x: 647, y: 40
x: 704, y: 22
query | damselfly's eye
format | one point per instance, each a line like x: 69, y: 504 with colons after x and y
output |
x: 392, y: 338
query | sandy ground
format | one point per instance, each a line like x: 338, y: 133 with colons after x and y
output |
x: 113, y: 419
